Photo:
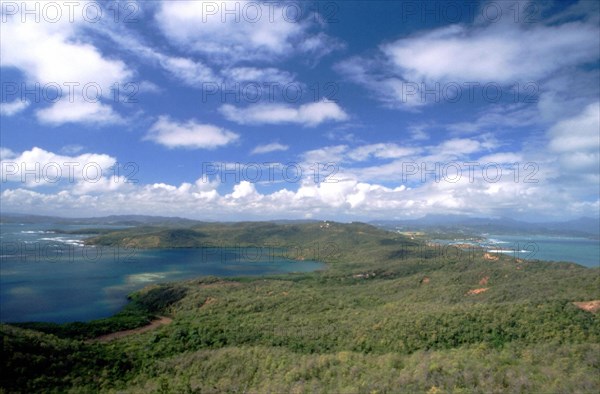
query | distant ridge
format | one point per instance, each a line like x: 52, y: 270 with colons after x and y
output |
x: 584, y: 227
x: 581, y: 227
x: 125, y: 220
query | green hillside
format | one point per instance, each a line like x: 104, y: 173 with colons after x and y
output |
x: 389, y: 314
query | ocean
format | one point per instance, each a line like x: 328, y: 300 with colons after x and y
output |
x: 582, y: 251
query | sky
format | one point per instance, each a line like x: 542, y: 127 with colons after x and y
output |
x: 333, y: 110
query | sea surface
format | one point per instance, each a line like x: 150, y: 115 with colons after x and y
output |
x: 52, y: 277
x: 582, y: 251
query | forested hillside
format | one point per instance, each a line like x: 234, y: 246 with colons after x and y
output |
x: 389, y: 314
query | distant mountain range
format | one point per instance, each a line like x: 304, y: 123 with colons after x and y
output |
x: 116, y: 220
x: 120, y: 220
x: 584, y: 227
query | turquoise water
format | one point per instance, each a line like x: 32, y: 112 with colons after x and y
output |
x: 52, y: 277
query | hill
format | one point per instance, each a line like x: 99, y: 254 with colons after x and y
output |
x: 389, y: 314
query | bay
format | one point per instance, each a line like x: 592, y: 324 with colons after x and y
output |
x: 52, y: 277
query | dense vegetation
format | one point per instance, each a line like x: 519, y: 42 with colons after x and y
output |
x: 388, y: 315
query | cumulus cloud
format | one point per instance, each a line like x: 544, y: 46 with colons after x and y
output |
x: 344, y: 200
x: 190, y: 135
x: 243, y: 189
x: 359, y: 191
x: 39, y: 167
x: 63, y: 59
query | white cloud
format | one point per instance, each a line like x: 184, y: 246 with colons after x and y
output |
x: 328, y: 154
x: 191, y: 72
x: 253, y: 31
x: 342, y: 154
x: 576, y: 142
x: 58, y: 54
x: 38, y: 167
x: 391, y: 91
x: 499, y: 53
x: 393, y: 160
x: 563, y: 141
x: 502, y: 157
x: 381, y: 151
x: 498, y: 119
x: 311, y: 114
x: 458, y: 146
x: 190, y: 135
x: 356, y: 193
x: 243, y: 189
x: 344, y: 200
x: 579, y: 133
x: 78, y: 111
x: 494, y: 53
x: 102, y: 185
x: 203, y: 184
x: 195, y: 72
x: 272, y: 147
x: 13, y: 108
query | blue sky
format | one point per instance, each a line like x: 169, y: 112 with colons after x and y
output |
x: 327, y: 110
